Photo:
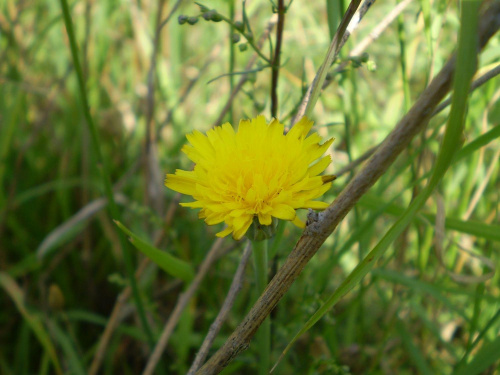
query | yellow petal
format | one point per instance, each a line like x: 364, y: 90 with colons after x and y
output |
x: 201, y: 143
x: 215, y: 218
x: 265, y: 219
x: 257, y: 171
x: 241, y: 227
x: 283, y: 211
x: 300, y: 129
x: 315, y: 151
x: 299, y: 223
x: 320, y: 166
x: 225, y: 232
x: 181, y: 184
x: 315, y: 205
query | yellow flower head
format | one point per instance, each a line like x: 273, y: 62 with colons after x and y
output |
x: 256, y: 172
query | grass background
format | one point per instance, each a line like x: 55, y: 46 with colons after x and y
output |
x: 61, y: 259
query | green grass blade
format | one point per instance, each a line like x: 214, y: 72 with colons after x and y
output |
x: 426, y: 12
x: 465, y: 68
x: 334, y: 13
x: 96, y: 146
x: 420, y: 287
x: 476, y: 228
x: 170, y: 264
x: 75, y: 366
x: 479, y: 142
x: 16, y: 294
x: 413, y: 350
x: 485, y: 357
x: 6, y: 134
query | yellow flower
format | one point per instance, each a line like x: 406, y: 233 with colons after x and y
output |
x: 256, y: 172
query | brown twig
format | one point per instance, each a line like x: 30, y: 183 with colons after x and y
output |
x: 317, y: 232
x: 276, y: 58
x: 180, y: 306
x: 226, y: 307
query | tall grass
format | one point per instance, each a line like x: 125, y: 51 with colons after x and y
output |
x: 75, y: 109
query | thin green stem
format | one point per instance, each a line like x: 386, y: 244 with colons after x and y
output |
x: 103, y: 169
x: 263, y: 336
x: 248, y: 36
x: 250, y: 41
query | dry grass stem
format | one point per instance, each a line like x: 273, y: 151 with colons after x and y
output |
x: 226, y: 307
x: 316, y: 233
x: 313, y: 92
x: 180, y: 306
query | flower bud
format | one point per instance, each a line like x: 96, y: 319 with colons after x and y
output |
x: 56, y: 298
x: 192, y: 20
x: 239, y: 26
x: 243, y: 47
x: 182, y: 19
x: 235, y: 38
x: 216, y: 17
x: 209, y: 14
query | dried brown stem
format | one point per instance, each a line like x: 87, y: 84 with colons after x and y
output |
x: 276, y: 58
x: 314, y: 91
x: 226, y: 307
x: 180, y: 306
x: 314, y: 235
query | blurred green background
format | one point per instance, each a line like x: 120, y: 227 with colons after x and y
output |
x: 431, y: 300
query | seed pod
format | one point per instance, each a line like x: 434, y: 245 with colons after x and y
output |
x: 235, y: 38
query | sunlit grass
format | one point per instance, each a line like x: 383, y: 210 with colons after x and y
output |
x: 425, y: 307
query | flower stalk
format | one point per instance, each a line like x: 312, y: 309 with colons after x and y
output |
x: 263, y: 335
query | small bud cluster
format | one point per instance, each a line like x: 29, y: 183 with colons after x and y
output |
x: 214, y: 16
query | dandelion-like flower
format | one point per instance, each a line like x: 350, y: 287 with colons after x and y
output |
x: 254, y: 174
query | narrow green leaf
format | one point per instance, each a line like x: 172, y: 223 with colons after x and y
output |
x: 103, y: 165
x: 414, y: 351
x: 16, y: 294
x: 71, y: 355
x: 485, y: 357
x: 466, y: 62
x: 170, y: 264
x: 420, y: 287
x: 426, y: 12
x: 479, y: 142
x: 476, y: 228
